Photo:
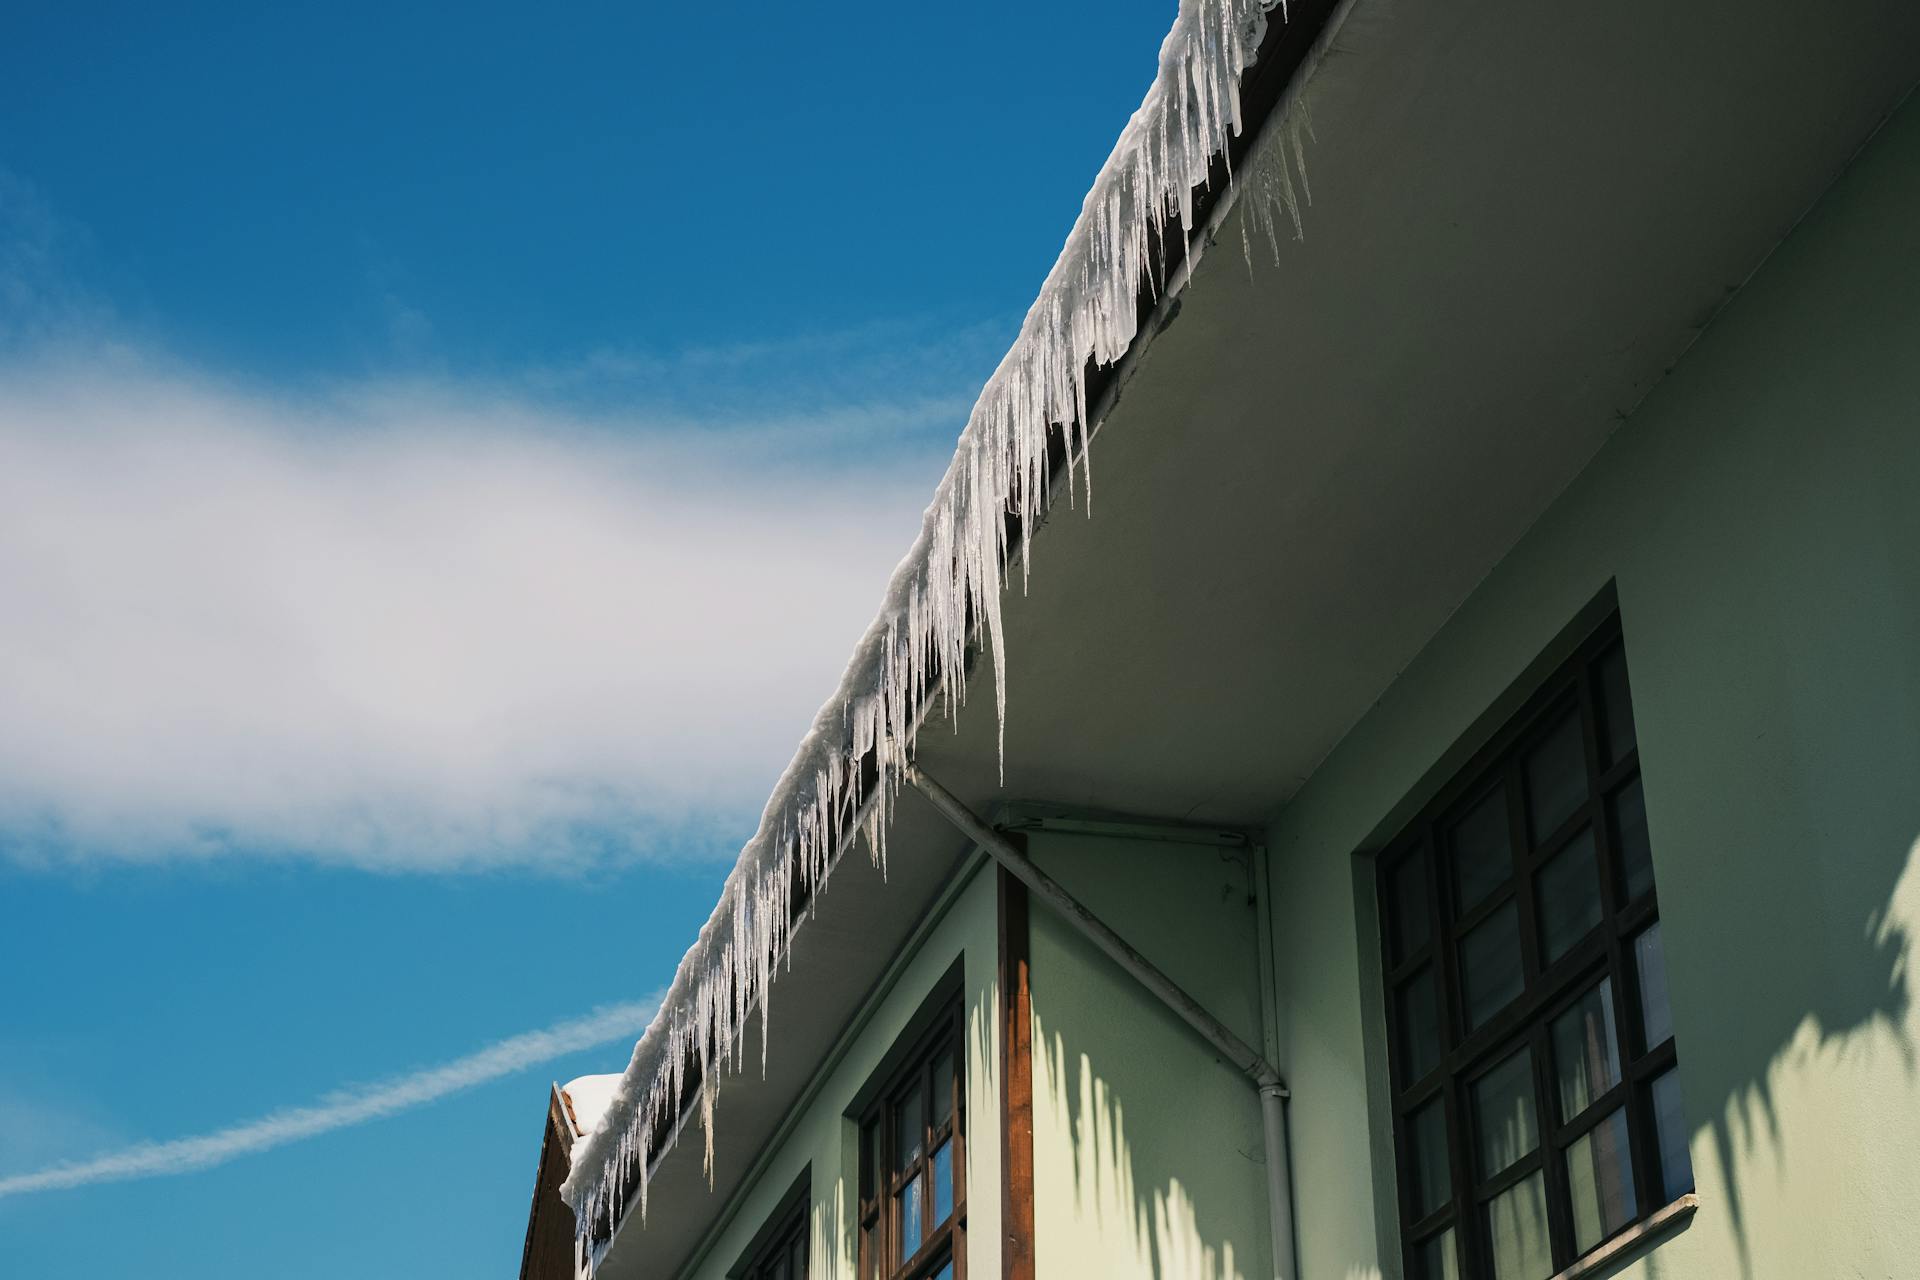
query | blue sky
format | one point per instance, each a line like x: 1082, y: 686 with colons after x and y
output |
x: 442, y: 467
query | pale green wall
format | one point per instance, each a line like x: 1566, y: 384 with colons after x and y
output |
x: 1760, y: 514
x: 824, y: 1141
x: 1148, y: 1157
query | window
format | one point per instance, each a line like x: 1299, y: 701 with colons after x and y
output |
x: 1536, y: 1107
x: 913, y: 1197
x: 782, y: 1254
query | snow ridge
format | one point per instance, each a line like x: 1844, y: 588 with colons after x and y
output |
x: 949, y: 584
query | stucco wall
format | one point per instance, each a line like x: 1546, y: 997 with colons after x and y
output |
x: 824, y: 1142
x: 1147, y: 1152
x: 1760, y: 515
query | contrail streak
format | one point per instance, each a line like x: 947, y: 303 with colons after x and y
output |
x: 345, y: 1108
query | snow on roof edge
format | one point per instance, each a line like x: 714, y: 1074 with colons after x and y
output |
x: 954, y: 572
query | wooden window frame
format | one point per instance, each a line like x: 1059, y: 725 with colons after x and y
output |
x: 879, y: 1215
x: 1549, y: 988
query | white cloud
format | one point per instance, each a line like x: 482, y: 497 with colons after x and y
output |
x: 411, y: 629
x: 345, y: 1108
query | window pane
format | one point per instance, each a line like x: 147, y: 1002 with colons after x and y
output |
x: 1412, y: 912
x: 1629, y: 806
x: 911, y: 1228
x: 1435, y: 1258
x: 1616, y: 710
x: 1649, y: 957
x: 1505, y: 1126
x: 1427, y: 1138
x: 1490, y: 965
x: 1586, y: 1050
x: 1556, y: 773
x: 1517, y: 1231
x: 780, y: 1270
x: 945, y: 1272
x: 800, y: 1258
x: 909, y: 1127
x: 943, y: 1088
x: 1482, y: 853
x: 1569, y: 896
x: 1670, y: 1127
x: 1600, y: 1177
x: 942, y: 1182
x: 1419, y: 1027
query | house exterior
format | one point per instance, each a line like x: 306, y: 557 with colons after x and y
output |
x: 1454, y: 808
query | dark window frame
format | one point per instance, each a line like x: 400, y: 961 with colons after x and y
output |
x: 1549, y: 987
x: 880, y: 1183
x: 786, y: 1242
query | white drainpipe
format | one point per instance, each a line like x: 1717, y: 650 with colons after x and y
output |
x: 1250, y: 1062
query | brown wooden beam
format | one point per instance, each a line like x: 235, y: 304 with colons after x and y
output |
x: 1016, y: 1083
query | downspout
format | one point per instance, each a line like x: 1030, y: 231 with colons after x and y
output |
x: 1249, y: 1061
x: 1273, y: 1106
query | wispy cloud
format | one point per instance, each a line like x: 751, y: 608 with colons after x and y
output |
x: 414, y: 626
x: 346, y: 1108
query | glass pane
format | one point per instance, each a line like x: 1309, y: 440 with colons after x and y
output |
x: 1490, y: 964
x: 942, y: 1089
x: 780, y: 1269
x: 1569, y: 888
x: 910, y: 1224
x: 1670, y: 1127
x: 1586, y: 1050
x: 800, y: 1258
x: 1419, y: 1027
x: 1412, y: 910
x: 942, y: 1182
x: 1432, y: 1178
x: 909, y: 1127
x: 1600, y: 1178
x: 1616, y: 709
x: 945, y: 1272
x: 1505, y: 1126
x: 1556, y: 773
x: 1517, y: 1231
x: 1650, y: 958
x: 1629, y: 805
x: 1482, y: 856
x: 1435, y: 1258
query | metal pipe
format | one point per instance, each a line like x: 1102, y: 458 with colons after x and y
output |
x: 1273, y: 1116
x: 1215, y: 1032
x: 1266, y: 1078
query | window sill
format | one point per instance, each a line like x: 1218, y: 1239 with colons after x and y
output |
x: 1634, y: 1240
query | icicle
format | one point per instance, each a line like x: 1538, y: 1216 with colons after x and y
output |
x: 946, y: 596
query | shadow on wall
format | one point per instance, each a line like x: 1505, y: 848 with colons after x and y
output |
x: 1127, y: 1222
x: 1815, y: 1146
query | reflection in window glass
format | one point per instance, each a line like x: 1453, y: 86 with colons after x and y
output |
x: 1419, y: 1027
x: 1505, y: 1125
x: 942, y: 1090
x: 1635, y: 848
x: 1517, y: 1231
x: 1432, y: 1178
x: 1490, y: 965
x: 1438, y: 1259
x: 1670, y: 1130
x: 910, y: 1126
x: 1650, y: 959
x: 942, y: 1182
x: 1569, y: 896
x: 1412, y: 917
x: 911, y: 1228
x: 1600, y: 1177
x: 1556, y: 773
x: 1482, y: 853
x: 1586, y: 1050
